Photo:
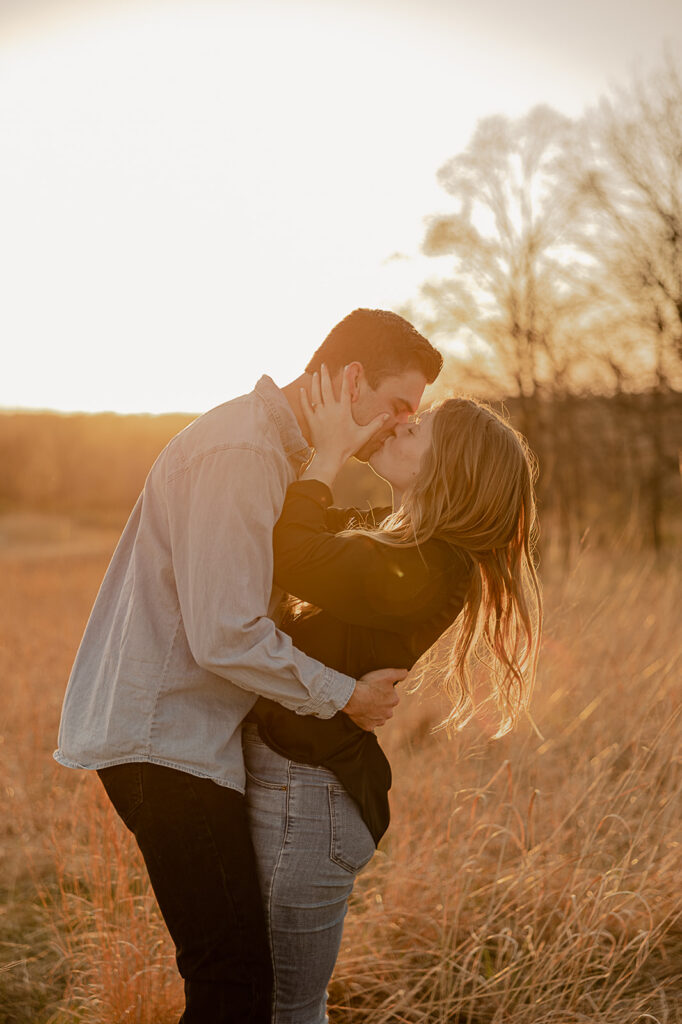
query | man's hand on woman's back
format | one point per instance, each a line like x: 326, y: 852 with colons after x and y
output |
x: 372, y: 702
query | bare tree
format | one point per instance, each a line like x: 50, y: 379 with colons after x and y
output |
x: 512, y: 284
x: 512, y: 276
x: 629, y: 181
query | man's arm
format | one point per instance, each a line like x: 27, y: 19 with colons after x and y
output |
x: 221, y: 509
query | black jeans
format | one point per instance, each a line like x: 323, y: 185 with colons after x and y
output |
x: 195, y: 841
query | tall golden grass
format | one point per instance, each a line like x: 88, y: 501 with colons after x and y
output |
x: 525, y: 880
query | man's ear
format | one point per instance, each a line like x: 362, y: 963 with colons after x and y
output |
x: 356, y: 375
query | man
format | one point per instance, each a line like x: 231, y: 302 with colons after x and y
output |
x: 179, y: 645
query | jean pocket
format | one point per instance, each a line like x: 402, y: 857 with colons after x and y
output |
x: 264, y: 766
x: 352, y: 845
x: 123, y: 783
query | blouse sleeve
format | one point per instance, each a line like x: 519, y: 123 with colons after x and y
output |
x: 358, y: 579
x: 338, y: 519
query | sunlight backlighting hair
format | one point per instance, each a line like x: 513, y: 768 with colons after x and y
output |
x: 385, y: 344
x: 475, y: 489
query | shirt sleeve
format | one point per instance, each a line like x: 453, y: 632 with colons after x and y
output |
x: 358, y: 579
x: 221, y: 510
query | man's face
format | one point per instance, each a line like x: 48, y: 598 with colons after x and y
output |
x: 398, y: 395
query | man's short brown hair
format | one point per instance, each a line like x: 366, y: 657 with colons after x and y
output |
x: 385, y: 344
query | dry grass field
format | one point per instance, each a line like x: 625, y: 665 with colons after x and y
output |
x: 526, y: 880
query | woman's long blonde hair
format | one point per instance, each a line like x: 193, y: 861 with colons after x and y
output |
x: 475, y: 490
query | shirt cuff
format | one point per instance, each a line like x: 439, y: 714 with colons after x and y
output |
x: 334, y: 694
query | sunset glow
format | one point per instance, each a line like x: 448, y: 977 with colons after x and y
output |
x: 194, y: 193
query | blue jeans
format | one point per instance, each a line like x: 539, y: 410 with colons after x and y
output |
x: 310, y: 843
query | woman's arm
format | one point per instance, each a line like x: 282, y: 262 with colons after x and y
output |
x: 356, y: 578
x: 338, y: 519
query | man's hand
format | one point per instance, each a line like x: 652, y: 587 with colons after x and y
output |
x: 374, y: 697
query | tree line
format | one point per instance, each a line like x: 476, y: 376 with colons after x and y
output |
x: 596, y: 471
x: 79, y: 464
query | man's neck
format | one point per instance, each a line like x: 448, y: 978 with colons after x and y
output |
x: 292, y: 393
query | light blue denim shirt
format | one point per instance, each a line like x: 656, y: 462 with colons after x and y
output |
x: 179, y: 643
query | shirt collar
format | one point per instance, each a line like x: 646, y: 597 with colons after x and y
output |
x: 281, y: 413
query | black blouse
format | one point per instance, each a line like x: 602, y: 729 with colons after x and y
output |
x: 368, y: 605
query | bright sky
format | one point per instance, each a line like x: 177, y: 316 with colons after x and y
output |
x: 192, y: 192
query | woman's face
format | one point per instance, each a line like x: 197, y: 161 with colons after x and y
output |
x: 399, y: 459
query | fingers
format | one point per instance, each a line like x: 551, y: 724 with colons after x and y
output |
x: 380, y: 718
x: 345, y: 387
x: 322, y: 393
x: 371, y: 428
x: 326, y: 388
x: 389, y: 697
x: 374, y: 698
x: 315, y: 390
x: 306, y: 407
x: 383, y: 704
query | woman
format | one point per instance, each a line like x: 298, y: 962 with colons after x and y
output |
x: 450, y: 570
